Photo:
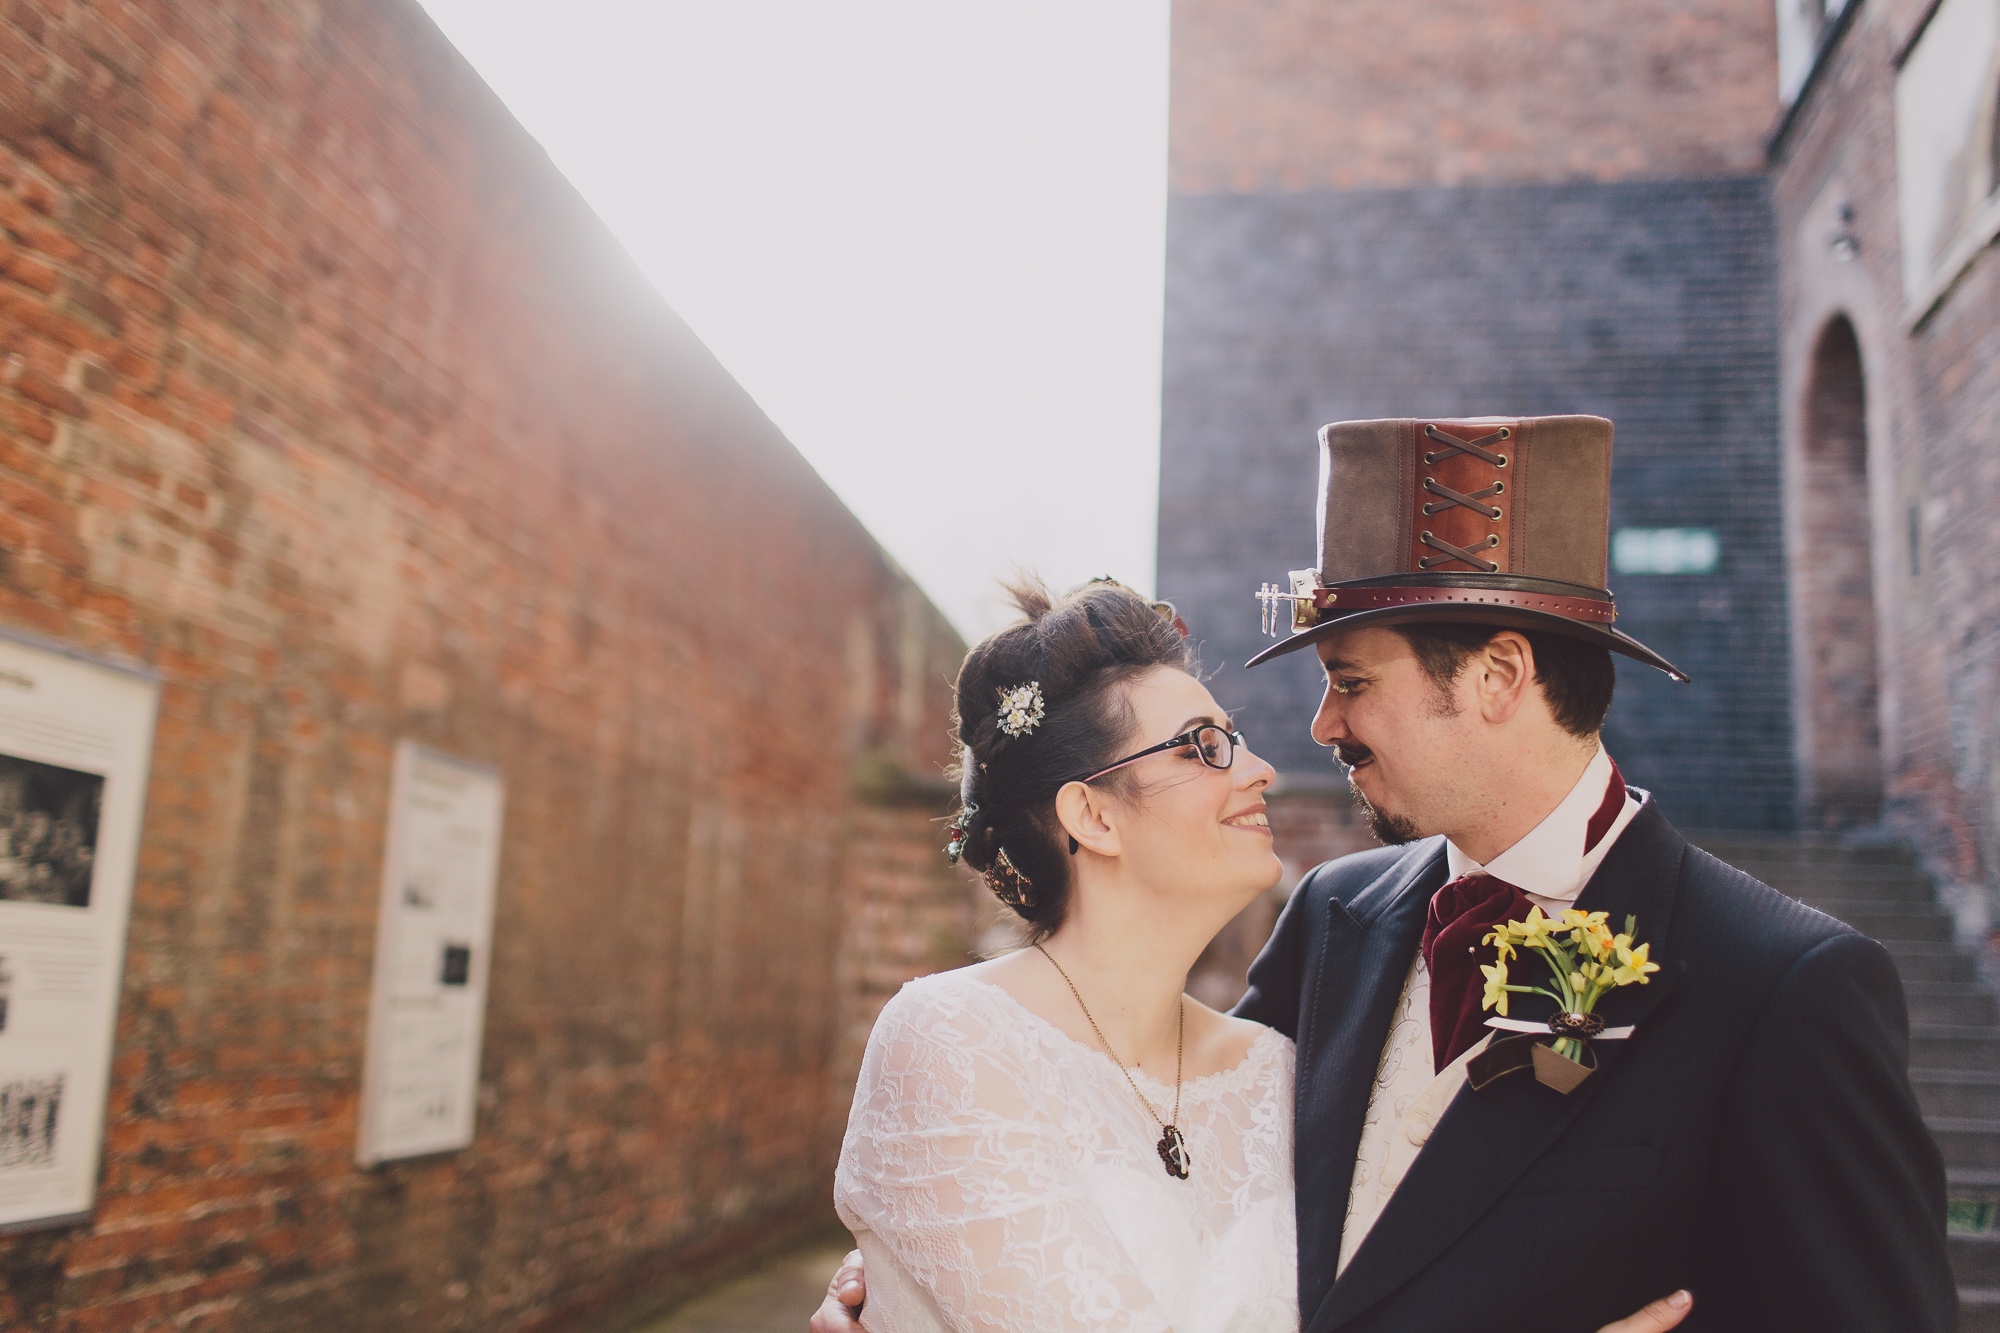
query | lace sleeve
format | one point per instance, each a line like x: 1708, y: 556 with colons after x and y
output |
x: 957, y: 1161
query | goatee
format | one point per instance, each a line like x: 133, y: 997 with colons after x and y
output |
x: 1389, y: 830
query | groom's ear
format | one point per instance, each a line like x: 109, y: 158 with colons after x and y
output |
x: 1080, y: 810
x: 1503, y: 675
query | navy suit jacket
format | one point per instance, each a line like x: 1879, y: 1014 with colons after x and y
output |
x: 1756, y: 1140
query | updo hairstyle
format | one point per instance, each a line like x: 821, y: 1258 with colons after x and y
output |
x: 1080, y: 648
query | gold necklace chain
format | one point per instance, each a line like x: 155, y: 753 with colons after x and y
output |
x: 1172, y: 1146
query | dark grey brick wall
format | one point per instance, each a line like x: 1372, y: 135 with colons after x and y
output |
x: 1650, y: 303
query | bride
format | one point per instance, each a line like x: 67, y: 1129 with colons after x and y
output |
x: 1059, y: 1138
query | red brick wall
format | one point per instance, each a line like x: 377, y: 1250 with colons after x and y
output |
x: 1933, y: 412
x: 1306, y: 95
x: 910, y: 914
x: 321, y: 392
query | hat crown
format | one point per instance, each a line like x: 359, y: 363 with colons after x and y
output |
x: 1466, y: 499
x: 1500, y: 521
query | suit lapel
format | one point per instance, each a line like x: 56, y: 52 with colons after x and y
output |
x: 1365, y: 959
x: 1488, y: 1138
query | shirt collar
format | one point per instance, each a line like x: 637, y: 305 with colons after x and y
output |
x: 1549, y: 863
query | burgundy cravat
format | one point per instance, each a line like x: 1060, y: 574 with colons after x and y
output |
x: 1461, y: 914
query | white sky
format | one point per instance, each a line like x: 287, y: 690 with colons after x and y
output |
x: 926, y: 235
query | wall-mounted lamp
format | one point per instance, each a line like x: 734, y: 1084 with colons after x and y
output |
x: 1844, y: 245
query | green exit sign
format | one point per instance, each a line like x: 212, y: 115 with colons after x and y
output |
x: 1665, y: 550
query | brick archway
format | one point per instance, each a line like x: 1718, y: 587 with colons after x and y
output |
x: 1840, y: 730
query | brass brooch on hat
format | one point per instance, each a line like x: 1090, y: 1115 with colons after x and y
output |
x: 1494, y: 520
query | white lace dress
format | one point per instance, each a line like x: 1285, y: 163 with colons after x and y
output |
x: 999, y: 1175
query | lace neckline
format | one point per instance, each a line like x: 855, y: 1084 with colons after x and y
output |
x: 1237, y: 1077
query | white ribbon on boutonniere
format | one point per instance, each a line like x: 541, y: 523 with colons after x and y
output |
x: 1544, y: 1027
x: 1586, y: 962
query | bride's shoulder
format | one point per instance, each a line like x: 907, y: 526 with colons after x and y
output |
x: 946, y: 1002
x: 960, y: 1037
x: 1233, y: 1042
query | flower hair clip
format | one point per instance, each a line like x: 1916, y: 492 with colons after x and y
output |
x: 958, y: 831
x: 1021, y: 708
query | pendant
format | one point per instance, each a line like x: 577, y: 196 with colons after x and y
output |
x: 1173, y: 1152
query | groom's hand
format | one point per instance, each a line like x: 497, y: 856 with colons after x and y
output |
x: 840, y: 1312
x: 1661, y: 1315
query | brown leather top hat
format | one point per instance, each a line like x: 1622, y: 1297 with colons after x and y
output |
x: 1494, y: 520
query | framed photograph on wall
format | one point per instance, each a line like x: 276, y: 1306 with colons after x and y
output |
x: 427, y: 1010
x: 76, y: 740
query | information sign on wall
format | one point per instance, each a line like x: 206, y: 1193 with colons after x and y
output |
x: 1665, y: 551
x: 76, y: 739
x: 1948, y: 147
x: 432, y: 959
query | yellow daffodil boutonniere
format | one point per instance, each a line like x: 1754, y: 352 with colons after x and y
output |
x: 1586, y: 961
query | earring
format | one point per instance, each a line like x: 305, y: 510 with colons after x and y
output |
x: 1072, y: 846
x: 1009, y: 885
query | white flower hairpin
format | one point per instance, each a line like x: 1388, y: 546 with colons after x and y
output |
x: 1021, y: 709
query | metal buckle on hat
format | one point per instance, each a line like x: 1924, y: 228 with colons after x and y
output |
x: 1307, y: 596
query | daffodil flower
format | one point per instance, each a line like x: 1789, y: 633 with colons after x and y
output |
x: 1533, y: 932
x: 1496, y: 988
x: 1637, y: 967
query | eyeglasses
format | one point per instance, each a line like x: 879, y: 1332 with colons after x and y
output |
x: 1215, y: 746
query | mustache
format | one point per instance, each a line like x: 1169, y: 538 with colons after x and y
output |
x: 1351, y: 753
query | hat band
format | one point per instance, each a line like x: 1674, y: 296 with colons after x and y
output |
x: 1351, y: 598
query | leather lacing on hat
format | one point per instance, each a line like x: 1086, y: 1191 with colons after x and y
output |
x: 1454, y: 447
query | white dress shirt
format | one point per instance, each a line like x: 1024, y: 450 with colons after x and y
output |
x: 1549, y: 864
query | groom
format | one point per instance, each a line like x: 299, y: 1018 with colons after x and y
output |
x: 1752, y: 1138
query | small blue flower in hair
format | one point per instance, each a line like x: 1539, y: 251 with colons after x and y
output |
x: 1021, y: 708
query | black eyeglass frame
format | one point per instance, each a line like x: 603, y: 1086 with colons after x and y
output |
x: 1189, y: 737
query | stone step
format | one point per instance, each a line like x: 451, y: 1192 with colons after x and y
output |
x: 1971, y: 1187
x: 1949, y: 1046
x: 1873, y: 897
x: 1972, y: 1094
x: 1829, y: 872
x: 1894, y: 921
x: 1972, y: 1209
x: 1827, y: 868
x: 1967, y: 1143
x: 1790, y: 851
x: 1920, y: 961
x: 1978, y: 1309
x: 1901, y: 889
x: 1975, y: 1259
x: 1964, y: 1004
x: 1874, y: 901
x: 1955, y: 1025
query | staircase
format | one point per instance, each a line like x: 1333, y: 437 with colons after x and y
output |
x: 1954, y: 1026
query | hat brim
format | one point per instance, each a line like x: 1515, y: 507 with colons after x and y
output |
x: 1510, y: 618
